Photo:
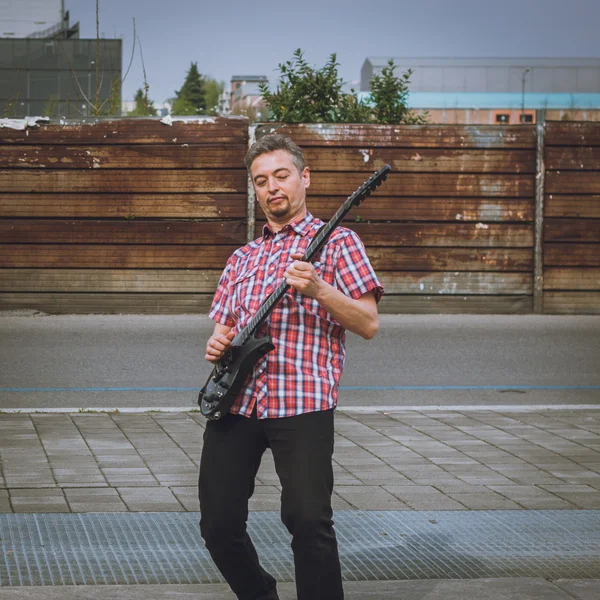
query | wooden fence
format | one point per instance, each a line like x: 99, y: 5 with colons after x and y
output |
x: 452, y: 229
x: 120, y: 216
x: 572, y: 219
x: 134, y: 215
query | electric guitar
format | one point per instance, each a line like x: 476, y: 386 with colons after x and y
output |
x: 231, y: 371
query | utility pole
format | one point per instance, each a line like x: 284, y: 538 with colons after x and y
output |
x: 523, y: 92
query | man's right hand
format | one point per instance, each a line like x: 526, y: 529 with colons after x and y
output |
x: 217, y: 345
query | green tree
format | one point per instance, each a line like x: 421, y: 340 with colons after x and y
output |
x: 306, y: 94
x: 389, y: 98
x: 143, y: 105
x: 191, y: 98
x: 212, y: 93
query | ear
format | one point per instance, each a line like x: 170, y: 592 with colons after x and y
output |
x: 306, y: 177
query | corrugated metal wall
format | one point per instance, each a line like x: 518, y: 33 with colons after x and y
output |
x: 135, y: 216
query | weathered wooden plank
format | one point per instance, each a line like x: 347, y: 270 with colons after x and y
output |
x: 405, y: 136
x: 130, y: 231
x: 234, y: 206
x: 400, y: 304
x: 574, y: 278
x: 378, y: 207
x: 149, y: 304
x: 106, y: 303
x: 114, y: 257
x: 456, y: 282
x: 205, y: 281
x: 115, y: 181
x: 214, y: 257
x: 451, y: 259
x: 475, y: 235
x: 571, y: 255
x: 110, y: 280
x: 467, y: 235
x: 146, y: 156
x: 422, y: 184
x: 584, y: 207
x: 573, y: 158
x: 572, y: 230
x: 197, y: 181
x: 132, y: 131
x: 572, y: 303
x: 438, y: 160
x: 194, y: 206
x: 572, y: 182
x: 562, y: 133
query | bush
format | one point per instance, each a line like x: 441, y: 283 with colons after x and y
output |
x: 309, y: 95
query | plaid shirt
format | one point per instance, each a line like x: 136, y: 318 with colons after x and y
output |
x: 302, y: 374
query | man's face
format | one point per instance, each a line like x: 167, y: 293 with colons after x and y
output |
x: 280, y: 189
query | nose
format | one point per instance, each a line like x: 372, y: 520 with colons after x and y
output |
x: 273, y: 185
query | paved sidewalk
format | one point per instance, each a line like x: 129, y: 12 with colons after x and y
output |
x: 402, y: 460
x: 405, y: 460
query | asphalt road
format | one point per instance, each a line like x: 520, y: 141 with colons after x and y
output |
x: 433, y: 360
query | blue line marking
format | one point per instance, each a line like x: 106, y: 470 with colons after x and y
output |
x: 342, y: 388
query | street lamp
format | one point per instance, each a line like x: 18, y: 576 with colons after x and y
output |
x: 523, y: 92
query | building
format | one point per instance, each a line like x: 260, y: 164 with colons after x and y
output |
x: 496, y: 90
x: 46, y: 70
x: 34, y: 18
x: 245, y: 98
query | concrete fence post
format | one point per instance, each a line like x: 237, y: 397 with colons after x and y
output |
x: 538, y: 257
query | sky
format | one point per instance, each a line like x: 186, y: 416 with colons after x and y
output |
x: 252, y: 37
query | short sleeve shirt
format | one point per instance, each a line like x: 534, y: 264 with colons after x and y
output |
x: 302, y: 374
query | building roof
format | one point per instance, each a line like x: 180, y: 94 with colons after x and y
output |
x: 492, y: 75
x: 381, y: 61
x: 249, y: 78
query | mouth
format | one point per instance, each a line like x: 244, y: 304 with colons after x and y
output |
x: 276, y: 200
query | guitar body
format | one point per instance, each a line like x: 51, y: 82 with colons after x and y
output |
x: 226, y: 381
x: 230, y: 374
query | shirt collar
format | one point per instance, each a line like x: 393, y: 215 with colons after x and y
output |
x: 301, y: 226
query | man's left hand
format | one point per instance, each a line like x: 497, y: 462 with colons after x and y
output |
x: 303, y: 277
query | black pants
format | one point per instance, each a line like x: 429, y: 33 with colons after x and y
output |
x: 302, y: 448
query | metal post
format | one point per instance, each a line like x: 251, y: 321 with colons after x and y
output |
x: 251, y: 198
x: 540, y: 171
x: 523, y: 93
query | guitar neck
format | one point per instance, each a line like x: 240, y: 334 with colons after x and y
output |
x: 316, y: 244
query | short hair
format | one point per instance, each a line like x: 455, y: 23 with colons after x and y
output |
x: 271, y: 143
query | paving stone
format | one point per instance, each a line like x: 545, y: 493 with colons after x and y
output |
x: 188, y: 497
x: 484, y: 501
x: 422, y: 497
x: 370, y: 498
x: 157, y: 499
x: 485, y: 480
x: 38, y: 500
x: 94, y: 500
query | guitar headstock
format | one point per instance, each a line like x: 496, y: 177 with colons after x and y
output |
x: 370, y: 185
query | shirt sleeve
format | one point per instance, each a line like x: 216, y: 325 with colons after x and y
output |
x: 354, y: 274
x: 220, y: 310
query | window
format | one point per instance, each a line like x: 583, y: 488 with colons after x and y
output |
x: 525, y: 118
x: 502, y: 118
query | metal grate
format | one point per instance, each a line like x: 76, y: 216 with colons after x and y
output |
x: 146, y: 548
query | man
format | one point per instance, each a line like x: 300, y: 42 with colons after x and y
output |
x: 289, y: 399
